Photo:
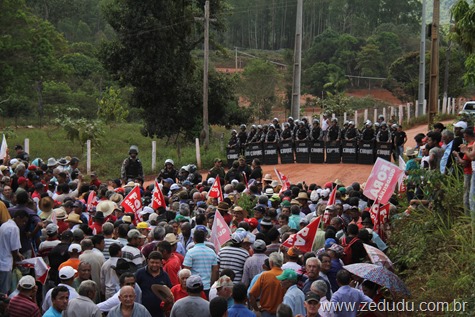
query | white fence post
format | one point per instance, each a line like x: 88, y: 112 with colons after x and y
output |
x: 198, y: 153
x: 154, y: 155
x: 365, y: 115
x: 384, y: 113
x: 321, y: 118
x: 88, y: 156
x: 416, y: 111
x: 26, y: 147
x: 424, y: 107
x: 375, y: 115
x: 401, y: 114
x: 333, y: 116
x: 408, y: 111
x: 444, y: 105
x: 356, y: 118
x: 344, y: 117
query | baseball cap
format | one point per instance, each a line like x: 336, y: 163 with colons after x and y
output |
x: 51, y: 228
x: 194, y: 281
x: 134, y: 233
x: 74, y: 247
x: 259, y: 245
x: 461, y: 124
x: 175, y: 187
x: 169, y: 181
x: 288, y: 274
x: 147, y: 210
x: 66, y: 273
x: 143, y: 225
x: 260, y: 209
x: 27, y: 282
x: 311, y: 296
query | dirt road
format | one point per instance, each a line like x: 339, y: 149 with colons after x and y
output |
x: 322, y: 173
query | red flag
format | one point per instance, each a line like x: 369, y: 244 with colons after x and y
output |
x: 215, y: 191
x: 157, y: 199
x: 220, y: 232
x: 303, y: 239
x: 379, y: 216
x: 331, y: 201
x: 133, y: 202
x: 332, y: 198
x: 283, y: 180
x: 91, y: 200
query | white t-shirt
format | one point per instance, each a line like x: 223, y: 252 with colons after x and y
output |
x: 9, y: 241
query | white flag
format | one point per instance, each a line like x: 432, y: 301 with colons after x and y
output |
x: 3, y: 149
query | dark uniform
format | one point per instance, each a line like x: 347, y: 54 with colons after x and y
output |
x: 383, y: 135
x: 367, y: 134
x: 286, y: 133
x: 333, y: 133
x: 234, y: 140
x: 301, y: 133
x: 272, y: 136
x: 316, y: 133
x: 351, y: 133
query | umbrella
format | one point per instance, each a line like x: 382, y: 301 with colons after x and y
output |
x: 379, y: 275
x: 377, y: 257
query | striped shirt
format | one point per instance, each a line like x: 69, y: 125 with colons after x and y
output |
x: 23, y: 306
x: 201, y: 260
x: 133, y: 254
x: 233, y: 258
x: 107, y: 244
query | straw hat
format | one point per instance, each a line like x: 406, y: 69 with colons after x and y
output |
x: 106, y: 207
x: 74, y: 218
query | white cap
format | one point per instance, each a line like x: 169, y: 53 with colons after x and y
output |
x: 27, y: 282
x: 66, y: 273
x: 74, y: 246
x: 461, y: 124
x: 147, y: 210
x: 175, y: 187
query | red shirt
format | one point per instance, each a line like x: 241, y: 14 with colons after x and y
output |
x: 62, y: 226
x: 178, y: 292
x: 22, y: 306
x: 180, y: 256
x: 172, y: 266
x: 96, y: 226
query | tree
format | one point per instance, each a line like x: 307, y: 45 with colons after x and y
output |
x: 259, y: 81
x: 112, y: 106
x: 464, y: 17
x: 152, y: 54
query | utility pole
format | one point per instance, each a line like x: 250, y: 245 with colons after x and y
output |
x: 295, y: 103
x: 205, y: 77
x: 422, y: 62
x: 434, y: 64
x: 447, y: 62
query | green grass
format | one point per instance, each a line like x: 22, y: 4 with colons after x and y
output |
x: 107, y: 158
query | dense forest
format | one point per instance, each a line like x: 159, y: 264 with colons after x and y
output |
x: 105, y: 59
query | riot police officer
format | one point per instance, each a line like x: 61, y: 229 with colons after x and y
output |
x: 316, y: 132
x: 333, y: 131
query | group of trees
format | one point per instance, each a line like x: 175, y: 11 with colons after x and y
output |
x: 126, y: 60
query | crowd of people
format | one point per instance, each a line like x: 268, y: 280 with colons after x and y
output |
x: 328, y: 130
x: 161, y: 262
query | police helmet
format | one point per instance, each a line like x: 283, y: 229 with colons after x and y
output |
x: 335, y: 120
x: 316, y: 121
x: 290, y: 119
x: 169, y: 161
x: 271, y: 126
x: 134, y: 149
x: 243, y: 126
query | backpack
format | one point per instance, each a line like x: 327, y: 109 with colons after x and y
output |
x: 347, y: 252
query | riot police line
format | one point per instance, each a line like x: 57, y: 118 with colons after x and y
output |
x: 312, y: 151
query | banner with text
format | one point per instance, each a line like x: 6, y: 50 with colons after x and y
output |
x: 382, y: 181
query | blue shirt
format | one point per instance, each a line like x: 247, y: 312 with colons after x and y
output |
x: 51, y: 312
x: 201, y: 259
x: 350, y: 296
x: 145, y: 280
x: 295, y: 298
x: 239, y: 310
